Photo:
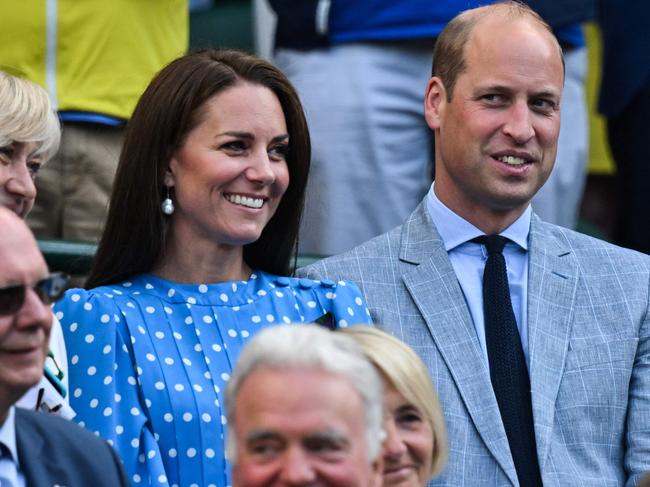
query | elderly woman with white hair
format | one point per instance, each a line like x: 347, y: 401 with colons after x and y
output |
x: 29, y: 136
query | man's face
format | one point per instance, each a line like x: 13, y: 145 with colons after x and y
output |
x: 300, y: 427
x: 496, y: 139
x: 24, y: 334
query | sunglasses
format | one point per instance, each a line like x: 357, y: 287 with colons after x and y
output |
x: 48, y: 290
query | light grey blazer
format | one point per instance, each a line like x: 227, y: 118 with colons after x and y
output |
x: 589, y: 348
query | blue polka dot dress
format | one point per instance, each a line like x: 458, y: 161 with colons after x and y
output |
x: 149, y: 361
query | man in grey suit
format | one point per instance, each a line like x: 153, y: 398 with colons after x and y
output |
x: 37, y: 449
x: 580, y: 304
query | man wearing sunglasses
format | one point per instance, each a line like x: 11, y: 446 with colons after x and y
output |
x: 37, y: 449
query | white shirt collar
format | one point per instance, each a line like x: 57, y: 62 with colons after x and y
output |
x: 8, y: 434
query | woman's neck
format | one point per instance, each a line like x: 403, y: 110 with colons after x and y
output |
x: 197, y: 263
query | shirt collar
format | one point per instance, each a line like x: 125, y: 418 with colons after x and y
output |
x: 8, y: 434
x: 455, y: 230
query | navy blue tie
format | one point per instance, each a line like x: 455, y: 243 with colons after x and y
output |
x: 508, y: 370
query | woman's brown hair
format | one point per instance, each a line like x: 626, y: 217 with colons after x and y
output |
x: 135, y: 233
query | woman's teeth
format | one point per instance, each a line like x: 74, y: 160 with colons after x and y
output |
x: 245, y: 201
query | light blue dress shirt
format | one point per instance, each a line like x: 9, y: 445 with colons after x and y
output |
x: 9, y: 467
x: 468, y: 260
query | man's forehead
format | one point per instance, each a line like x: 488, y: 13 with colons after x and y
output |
x: 21, y: 259
x: 501, y: 49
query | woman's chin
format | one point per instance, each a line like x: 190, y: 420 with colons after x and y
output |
x: 402, y: 477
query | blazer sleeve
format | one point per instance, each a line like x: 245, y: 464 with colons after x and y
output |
x: 637, y: 453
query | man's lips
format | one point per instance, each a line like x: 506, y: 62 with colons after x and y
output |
x: 514, y: 158
x: 21, y: 349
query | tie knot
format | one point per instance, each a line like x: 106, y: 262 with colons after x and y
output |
x: 493, y: 243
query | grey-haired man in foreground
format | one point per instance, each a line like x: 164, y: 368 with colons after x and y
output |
x: 305, y: 408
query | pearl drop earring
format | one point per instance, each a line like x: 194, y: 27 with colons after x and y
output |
x: 167, y: 205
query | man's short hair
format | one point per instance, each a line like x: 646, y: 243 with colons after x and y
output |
x: 449, y: 53
x: 311, y: 347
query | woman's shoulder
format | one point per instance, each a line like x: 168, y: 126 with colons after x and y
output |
x: 101, y: 302
x: 315, y: 285
x: 342, y: 299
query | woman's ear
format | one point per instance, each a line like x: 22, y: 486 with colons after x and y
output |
x: 169, y: 179
x: 435, y: 100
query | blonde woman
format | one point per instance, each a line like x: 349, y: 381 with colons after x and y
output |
x: 415, y: 447
x: 29, y: 137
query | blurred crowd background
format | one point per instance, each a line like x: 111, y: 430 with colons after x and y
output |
x: 117, y: 48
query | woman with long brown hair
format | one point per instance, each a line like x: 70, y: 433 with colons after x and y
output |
x: 201, y: 231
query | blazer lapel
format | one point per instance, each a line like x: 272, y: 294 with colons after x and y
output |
x: 552, y: 284
x: 437, y: 294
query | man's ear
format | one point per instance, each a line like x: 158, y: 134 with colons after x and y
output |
x: 435, y: 100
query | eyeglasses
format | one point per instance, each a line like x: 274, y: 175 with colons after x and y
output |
x: 48, y: 290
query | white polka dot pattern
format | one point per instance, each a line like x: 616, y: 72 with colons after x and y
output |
x: 150, y: 360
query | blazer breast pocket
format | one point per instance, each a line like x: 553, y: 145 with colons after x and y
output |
x: 601, y: 355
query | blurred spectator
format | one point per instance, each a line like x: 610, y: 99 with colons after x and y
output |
x: 305, y: 407
x: 94, y: 58
x: 558, y: 201
x: 359, y: 67
x: 625, y: 101
x: 415, y: 448
x: 29, y: 137
x: 37, y: 449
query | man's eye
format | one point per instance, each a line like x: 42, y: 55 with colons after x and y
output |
x: 543, y: 104
x: 324, y: 447
x: 492, y: 98
x: 264, y: 449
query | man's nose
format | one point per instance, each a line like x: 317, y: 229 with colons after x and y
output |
x: 33, y: 313
x: 518, y: 124
x: 297, y: 468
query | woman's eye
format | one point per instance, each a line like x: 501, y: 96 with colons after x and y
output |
x: 234, y: 146
x: 409, y: 417
x: 6, y: 152
x: 279, y: 151
x: 33, y: 168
